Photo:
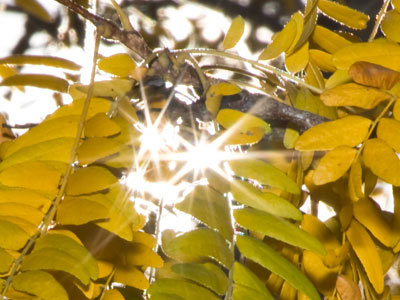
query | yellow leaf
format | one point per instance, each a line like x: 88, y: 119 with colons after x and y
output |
x: 224, y: 88
x: 348, y: 289
x: 352, y: 94
x: 7, y: 71
x: 298, y: 60
x: 299, y: 20
x: 365, y: 250
x: 369, y: 214
x: 334, y: 165
x: 94, y: 149
x: 12, y: 236
x: 6, y: 261
x: 389, y: 131
x: 18, y: 195
x: 105, y: 268
x: 131, y: 276
x: 113, y: 294
x: 290, y: 137
x: 23, y: 211
x: 213, y: 102
x: 234, y: 33
x: 384, y: 54
x: 348, y: 131
x: 282, y: 40
x: 323, y: 60
x: 37, y: 80
x: 234, y: 137
x: 328, y: 40
x: 379, y: 157
x: 390, y: 25
x: 141, y: 255
x: 89, y: 180
x: 120, y: 64
x: 144, y: 238
x: 337, y: 78
x: 106, y: 88
x: 344, y: 14
x: 50, y: 61
x: 355, y: 181
x: 101, y: 126
x: 396, y: 110
x: 243, y: 121
x: 314, y: 75
x: 34, y: 8
x: 31, y: 175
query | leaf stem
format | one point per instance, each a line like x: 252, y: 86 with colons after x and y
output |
x: 378, y: 21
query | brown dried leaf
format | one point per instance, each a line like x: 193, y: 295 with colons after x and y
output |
x: 347, y: 289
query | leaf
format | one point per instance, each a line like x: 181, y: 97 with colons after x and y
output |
x: 390, y: 24
x: 18, y: 195
x: 37, y: 80
x: 389, y: 131
x: 379, y: 157
x: 113, y: 294
x: 41, y: 284
x: 349, y: 131
x: 31, y: 175
x: 241, y: 292
x: 355, y: 181
x: 224, y: 88
x: 249, y: 195
x: 89, y: 180
x: 347, y: 289
x: 299, y: 20
x: 344, y: 14
x: 163, y: 296
x: 6, y: 261
x: 201, y: 242
x: 264, y: 173
x: 208, y: 275
x: 141, y: 255
x: 50, y: 61
x: 234, y: 33
x: 107, y: 88
x: 396, y: 110
x: 209, y: 207
x: 34, y: 8
x: 365, y: 250
x: 298, y: 60
x: 245, y: 122
x: 55, y: 259
x: 182, y: 288
x: 120, y: 64
x: 322, y: 59
x: 77, y: 251
x: 131, y: 276
x: 73, y: 211
x: 369, y: 214
x: 329, y: 40
x: 277, y: 228
x: 352, y: 94
x: 334, y: 165
x: 95, y: 149
x: 373, y: 75
x: 384, y: 54
x: 309, y: 23
x: 337, y: 78
x: 22, y: 211
x: 282, y: 40
x: 101, y: 126
x: 262, y: 254
x: 246, y: 278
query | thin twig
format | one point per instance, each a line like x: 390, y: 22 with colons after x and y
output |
x: 378, y: 21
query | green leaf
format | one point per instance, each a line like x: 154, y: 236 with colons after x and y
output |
x: 37, y: 80
x: 234, y: 33
x: 209, y: 207
x: 273, y: 261
x: 182, y: 288
x: 55, y: 259
x: 163, y: 296
x: 201, y: 242
x: 241, y: 292
x: 264, y: 173
x: 77, y: 251
x: 277, y: 228
x: 78, y: 211
x: 6, y: 261
x: 50, y: 61
x: 89, y: 180
x: 245, y: 278
x: 208, y: 275
x: 249, y: 195
x: 41, y: 284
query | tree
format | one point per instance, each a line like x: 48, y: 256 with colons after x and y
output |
x: 75, y: 189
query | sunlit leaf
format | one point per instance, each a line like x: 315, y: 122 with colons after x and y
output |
x: 120, y: 64
x: 208, y: 275
x: 246, y: 278
x: 379, y: 157
x: 230, y: 118
x: 34, y: 8
x: 322, y: 59
x: 37, y: 80
x: 211, y: 208
x: 185, y: 289
x: 309, y: 23
x: 337, y: 78
x: 384, y: 54
x: 369, y: 214
x: 334, y: 165
x: 107, y: 88
x: 299, y: 20
x: 50, y: 61
x: 344, y: 14
x: 234, y: 33
x: 6, y: 261
x: 281, y: 41
x: 89, y: 180
x: 113, y: 294
x: 23, y: 211
x: 41, y: 284
x: 131, y: 276
x: 355, y: 181
x: 74, y: 211
x: 224, y: 88
x: 31, y: 175
x: 262, y: 254
x: 141, y: 255
x: 290, y: 137
x: 94, y: 149
x: 55, y: 259
x: 347, y: 289
x: 201, y: 242
x: 164, y: 296
x: 101, y: 126
x: 277, y: 228
x: 329, y: 40
x: 390, y: 24
x: 389, y: 131
x: 264, y: 173
x: 241, y: 292
x: 298, y: 60
x: 365, y: 250
x: 247, y: 194
x: 348, y: 131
